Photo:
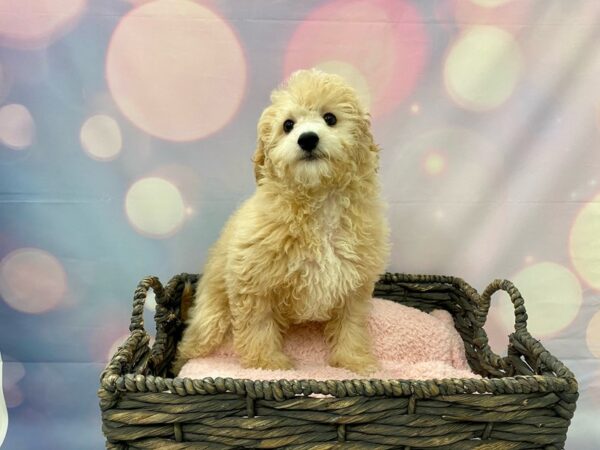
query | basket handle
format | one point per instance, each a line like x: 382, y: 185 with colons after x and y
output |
x: 515, y: 297
x: 139, y: 298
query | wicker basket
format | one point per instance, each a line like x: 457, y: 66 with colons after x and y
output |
x: 525, y: 400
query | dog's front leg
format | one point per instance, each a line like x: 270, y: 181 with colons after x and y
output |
x: 348, y: 336
x: 257, y: 335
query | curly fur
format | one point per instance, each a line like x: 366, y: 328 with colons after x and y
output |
x: 307, y: 246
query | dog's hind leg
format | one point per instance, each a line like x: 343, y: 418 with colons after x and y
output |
x: 209, y: 322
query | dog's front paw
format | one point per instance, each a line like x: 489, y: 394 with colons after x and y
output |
x: 360, y: 364
x: 272, y: 361
x: 281, y: 362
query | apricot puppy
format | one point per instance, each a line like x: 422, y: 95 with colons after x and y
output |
x: 309, y: 244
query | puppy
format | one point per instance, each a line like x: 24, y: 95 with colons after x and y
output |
x: 308, y: 245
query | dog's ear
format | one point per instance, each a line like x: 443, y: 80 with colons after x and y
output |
x: 263, y: 132
x: 370, y: 142
x: 374, y: 149
x: 259, y: 159
x: 366, y: 135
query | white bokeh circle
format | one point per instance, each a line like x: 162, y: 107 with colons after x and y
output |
x: 584, y: 243
x: 155, y: 207
x: 482, y: 68
x: 100, y: 137
x: 552, y: 294
x: 17, y: 127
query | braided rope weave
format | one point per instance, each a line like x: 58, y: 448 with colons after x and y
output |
x: 525, y: 400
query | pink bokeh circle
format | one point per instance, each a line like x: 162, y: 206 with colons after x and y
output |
x: 510, y: 15
x: 33, y: 24
x: 32, y: 280
x: 176, y: 69
x: 384, y: 39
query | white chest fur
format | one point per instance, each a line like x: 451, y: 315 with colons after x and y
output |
x: 323, y: 268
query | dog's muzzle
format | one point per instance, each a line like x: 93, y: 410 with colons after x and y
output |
x: 308, y: 141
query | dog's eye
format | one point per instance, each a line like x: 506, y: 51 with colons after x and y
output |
x: 330, y: 119
x: 288, y: 125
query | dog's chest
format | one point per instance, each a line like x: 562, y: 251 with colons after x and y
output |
x: 324, y: 268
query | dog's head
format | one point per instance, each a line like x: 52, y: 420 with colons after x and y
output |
x: 314, y: 133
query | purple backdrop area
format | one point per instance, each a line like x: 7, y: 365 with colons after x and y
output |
x: 127, y: 128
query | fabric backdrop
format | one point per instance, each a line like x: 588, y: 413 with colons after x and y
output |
x: 127, y: 128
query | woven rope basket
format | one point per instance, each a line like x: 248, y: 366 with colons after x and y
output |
x: 525, y: 400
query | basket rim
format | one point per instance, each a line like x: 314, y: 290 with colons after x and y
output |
x: 561, y: 381
x: 284, y: 389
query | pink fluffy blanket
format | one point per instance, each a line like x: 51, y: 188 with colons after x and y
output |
x: 409, y: 344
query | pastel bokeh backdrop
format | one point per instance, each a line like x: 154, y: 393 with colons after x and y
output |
x: 127, y: 128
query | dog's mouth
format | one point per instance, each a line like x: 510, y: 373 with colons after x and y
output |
x: 312, y: 156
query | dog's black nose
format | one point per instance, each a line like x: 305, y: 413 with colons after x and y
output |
x: 308, y: 141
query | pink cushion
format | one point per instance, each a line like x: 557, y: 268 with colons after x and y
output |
x: 409, y: 344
